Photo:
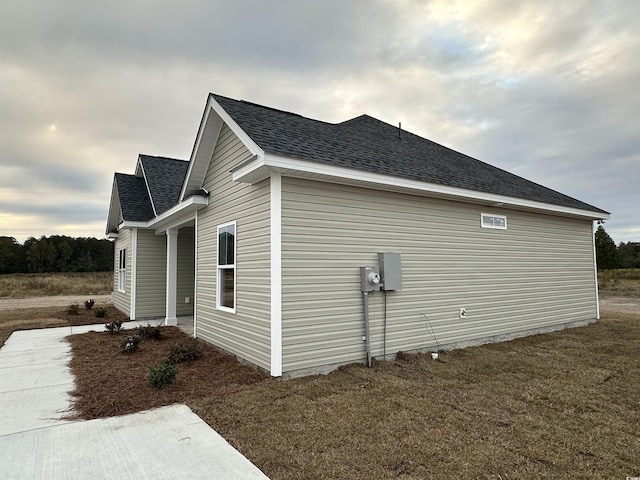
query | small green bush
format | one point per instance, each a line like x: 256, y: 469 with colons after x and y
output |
x: 162, y: 374
x: 129, y: 344
x: 100, y: 313
x: 88, y: 304
x: 185, y: 351
x: 149, y: 332
x: 73, y: 309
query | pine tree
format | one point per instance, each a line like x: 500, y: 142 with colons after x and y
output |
x: 606, y: 256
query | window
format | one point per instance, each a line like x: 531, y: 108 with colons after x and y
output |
x: 493, y: 221
x: 226, y: 297
x: 122, y: 270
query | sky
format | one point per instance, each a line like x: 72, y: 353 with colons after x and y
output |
x: 547, y: 90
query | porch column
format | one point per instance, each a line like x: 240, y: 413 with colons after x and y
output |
x: 172, y: 276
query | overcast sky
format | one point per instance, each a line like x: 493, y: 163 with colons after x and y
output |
x: 548, y: 90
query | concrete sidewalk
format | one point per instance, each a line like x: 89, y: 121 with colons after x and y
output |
x: 35, y: 443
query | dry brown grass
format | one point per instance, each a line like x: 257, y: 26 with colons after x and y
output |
x: 29, y: 318
x: 560, y: 405
x: 621, y: 282
x: 21, y: 285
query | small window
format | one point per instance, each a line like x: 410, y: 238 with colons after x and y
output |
x: 226, y: 297
x: 493, y: 221
x: 122, y: 270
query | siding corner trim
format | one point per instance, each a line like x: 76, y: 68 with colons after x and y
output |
x: 276, y: 273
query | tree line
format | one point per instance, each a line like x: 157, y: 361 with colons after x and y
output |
x: 57, y: 253
x: 60, y: 253
x: 610, y: 256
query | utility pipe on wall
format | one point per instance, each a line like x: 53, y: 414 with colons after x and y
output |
x: 367, y: 339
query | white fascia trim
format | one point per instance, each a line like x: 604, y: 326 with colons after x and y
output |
x: 261, y: 167
x: 276, y: 273
x: 112, y: 236
x: 134, y: 272
x: 196, y: 146
x: 213, y: 107
x: 235, y: 128
x: 146, y: 184
x: 172, y: 217
x: 112, y: 218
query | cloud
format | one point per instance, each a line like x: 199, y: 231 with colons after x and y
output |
x: 542, y: 89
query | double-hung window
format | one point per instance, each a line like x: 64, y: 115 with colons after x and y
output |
x: 226, y: 295
x: 122, y: 269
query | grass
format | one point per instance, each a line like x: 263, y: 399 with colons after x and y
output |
x: 622, y: 282
x: 29, y: 318
x: 21, y: 285
x: 559, y: 405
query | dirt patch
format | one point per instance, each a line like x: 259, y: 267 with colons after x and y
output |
x: 611, y: 303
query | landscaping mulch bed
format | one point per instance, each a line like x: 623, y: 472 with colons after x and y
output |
x: 110, y: 382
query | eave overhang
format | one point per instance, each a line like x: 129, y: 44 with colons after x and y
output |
x: 213, y: 118
x: 258, y: 167
x: 175, y: 217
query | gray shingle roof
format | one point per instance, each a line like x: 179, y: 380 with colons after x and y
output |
x: 365, y: 143
x: 164, y: 177
x: 134, y: 199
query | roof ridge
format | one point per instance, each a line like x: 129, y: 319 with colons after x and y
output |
x: 276, y: 110
x: 144, y: 155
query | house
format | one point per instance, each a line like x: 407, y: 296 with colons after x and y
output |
x: 261, y: 236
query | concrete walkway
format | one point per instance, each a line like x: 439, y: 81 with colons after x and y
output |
x: 165, y: 443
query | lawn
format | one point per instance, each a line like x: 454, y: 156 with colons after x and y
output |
x: 559, y: 405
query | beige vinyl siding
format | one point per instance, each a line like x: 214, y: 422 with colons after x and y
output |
x: 122, y: 300
x: 247, y: 332
x: 186, y: 267
x: 536, y: 274
x: 151, y: 274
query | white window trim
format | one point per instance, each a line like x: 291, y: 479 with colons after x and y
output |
x: 122, y: 271
x: 227, y: 267
x: 497, y: 227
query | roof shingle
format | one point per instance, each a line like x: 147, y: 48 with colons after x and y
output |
x: 134, y: 199
x: 365, y: 143
x: 164, y: 178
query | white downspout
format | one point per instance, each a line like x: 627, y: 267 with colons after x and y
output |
x: 595, y: 269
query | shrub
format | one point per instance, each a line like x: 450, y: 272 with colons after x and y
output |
x: 73, y: 309
x: 113, y: 327
x: 100, y: 313
x: 185, y: 351
x: 162, y: 374
x: 149, y: 332
x: 88, y: 304
x: 129, y: 344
